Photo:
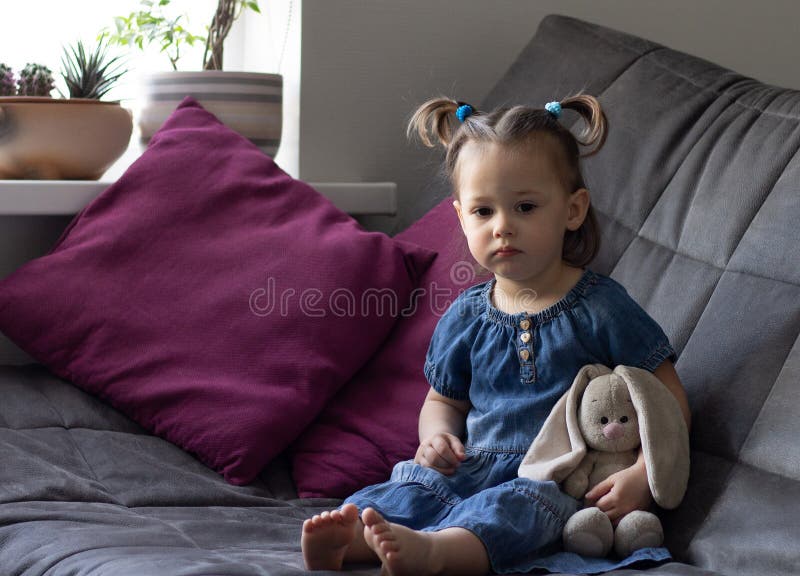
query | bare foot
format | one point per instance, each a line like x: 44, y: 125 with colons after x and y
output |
x: 400, y: 549
x: 327, y: 536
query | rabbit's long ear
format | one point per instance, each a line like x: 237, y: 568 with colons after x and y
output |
x: 559, y: 447
x: 665, y: 438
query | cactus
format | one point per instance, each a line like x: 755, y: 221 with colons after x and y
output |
x: 8, y: 85
x: 35, y: 80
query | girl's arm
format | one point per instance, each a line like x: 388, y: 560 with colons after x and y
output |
x: 441, y: 425
x: 667, y: 374
x: 628, y: 490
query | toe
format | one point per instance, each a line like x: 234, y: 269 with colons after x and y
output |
x: 349, y: 512
x: 380, y: 528
x: 371, y: 517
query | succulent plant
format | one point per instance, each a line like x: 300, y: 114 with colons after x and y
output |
x: 8, y: 84
x: 35, y: 80
x: 90, y: 75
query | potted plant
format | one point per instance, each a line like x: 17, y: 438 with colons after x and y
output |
x: 68, y: 138
x: 248, y: 102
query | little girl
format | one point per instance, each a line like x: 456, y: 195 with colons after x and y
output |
x: 500, y: 358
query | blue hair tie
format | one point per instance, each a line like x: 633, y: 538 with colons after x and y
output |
x: 464, y: 111
x: 554, y: 108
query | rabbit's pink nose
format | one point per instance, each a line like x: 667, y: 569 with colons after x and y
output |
x: 613, y: 431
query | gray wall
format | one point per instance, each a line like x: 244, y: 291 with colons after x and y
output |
x: 366, y: 64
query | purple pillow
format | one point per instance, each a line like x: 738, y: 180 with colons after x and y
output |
x: 211, y: 297
x: 371, y: 423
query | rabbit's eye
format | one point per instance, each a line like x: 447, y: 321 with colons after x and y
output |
x: 603, y: 420
x: 623, y: 419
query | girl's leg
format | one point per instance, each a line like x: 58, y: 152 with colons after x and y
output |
x: 332, y: 538
x: 518, y: 522
x: 402, y: 551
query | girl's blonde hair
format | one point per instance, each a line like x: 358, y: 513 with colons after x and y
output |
x: 436, y: 118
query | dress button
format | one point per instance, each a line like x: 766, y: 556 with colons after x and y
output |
x: 524, y: 354
x: 525, y: 337
x: 525, y: 324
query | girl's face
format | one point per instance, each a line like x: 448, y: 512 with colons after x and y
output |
x: 514, y: 210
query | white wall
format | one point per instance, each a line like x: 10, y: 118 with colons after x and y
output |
x: 367, y: 63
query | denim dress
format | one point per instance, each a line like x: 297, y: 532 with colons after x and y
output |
x: 512, y: 368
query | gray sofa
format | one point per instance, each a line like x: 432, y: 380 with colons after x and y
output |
x: 698, y: 194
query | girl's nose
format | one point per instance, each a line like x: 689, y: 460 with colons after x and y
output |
x: 502, y: 227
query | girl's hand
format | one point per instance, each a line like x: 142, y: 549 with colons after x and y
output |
x: 443, y: 452
x: 622, y: 493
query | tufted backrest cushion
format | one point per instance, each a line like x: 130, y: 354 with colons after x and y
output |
x: 698, y: 194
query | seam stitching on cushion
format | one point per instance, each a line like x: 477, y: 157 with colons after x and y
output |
x: 77, y: 447
x: 168, y: 524
x: 729, y: 477
x: 658, y: 199
x: 733, y: 101
x: 743, y: 464
x: 630, y: 65
x: 761, y: 206
x: 711, y: 509
x: 686, y: 207
x: 595, y: 31
x: 763, y: 407
x: 672, y: 176
x: 727, y: 92
x: 733, y: 270
x: 75, y: 444
x: 612, y: 81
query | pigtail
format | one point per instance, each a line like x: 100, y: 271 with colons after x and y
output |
x: 435, y: 118
x: 588, y: 107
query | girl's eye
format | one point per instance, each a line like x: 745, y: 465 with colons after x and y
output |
x: 483, y: 211
x: 526, y: 207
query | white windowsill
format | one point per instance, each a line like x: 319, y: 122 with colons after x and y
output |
x: 64, y: 197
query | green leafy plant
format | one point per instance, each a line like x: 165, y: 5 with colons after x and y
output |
x: 8, y: 83
x: 151, y: 25
x: 35, y: 80
x: 90, y: 75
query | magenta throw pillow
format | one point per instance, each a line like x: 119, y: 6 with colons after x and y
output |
x: 211, y: 297
x: 371, y: 423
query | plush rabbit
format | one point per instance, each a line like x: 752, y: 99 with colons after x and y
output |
x: 595, y: 430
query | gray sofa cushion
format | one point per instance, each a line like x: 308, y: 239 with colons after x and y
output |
x: 698, y: 195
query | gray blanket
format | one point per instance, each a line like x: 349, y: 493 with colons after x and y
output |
x: 84, y: 490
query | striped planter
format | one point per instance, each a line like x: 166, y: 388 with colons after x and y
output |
x: 247, y: 102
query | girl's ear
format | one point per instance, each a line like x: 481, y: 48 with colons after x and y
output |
x: 578, y: 207
x: 457, y: 206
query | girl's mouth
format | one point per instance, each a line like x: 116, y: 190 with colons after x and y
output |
x: 506, y: 252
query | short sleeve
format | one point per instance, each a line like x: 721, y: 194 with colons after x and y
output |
x: 630, y: 336
x: 447, y: 364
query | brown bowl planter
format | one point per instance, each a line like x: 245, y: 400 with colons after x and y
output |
x: 60, y: 139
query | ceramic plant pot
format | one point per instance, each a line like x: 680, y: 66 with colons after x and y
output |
x: 247, y: 102
x: 60, y: 139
